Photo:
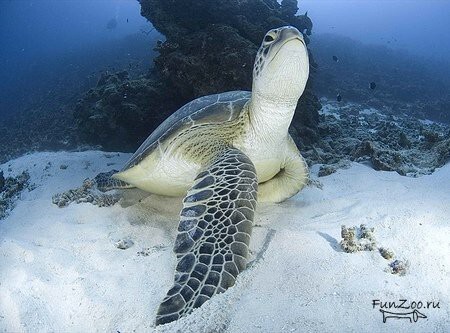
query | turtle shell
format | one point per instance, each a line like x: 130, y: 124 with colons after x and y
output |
x: 209, y: 109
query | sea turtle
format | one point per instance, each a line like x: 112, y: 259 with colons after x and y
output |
x: 215, y: 151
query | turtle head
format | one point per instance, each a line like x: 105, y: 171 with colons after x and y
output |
x: 281, y: 67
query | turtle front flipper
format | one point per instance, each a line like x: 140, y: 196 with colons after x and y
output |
x: 290, y: 180
x: 214, y: 234
x: 105, y: 182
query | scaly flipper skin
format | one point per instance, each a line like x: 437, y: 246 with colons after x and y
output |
x: 106, y: 183
x: 214, y: 233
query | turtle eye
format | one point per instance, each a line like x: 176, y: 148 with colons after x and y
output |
x: 269, y: 38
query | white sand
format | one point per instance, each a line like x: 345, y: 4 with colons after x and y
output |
x: 60, y: 270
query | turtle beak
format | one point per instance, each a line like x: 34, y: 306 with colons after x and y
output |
x: 290, y: 33
x: 287, y: 34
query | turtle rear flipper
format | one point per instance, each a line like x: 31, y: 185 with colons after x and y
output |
x: 214, y: 234
x: 105, y: 182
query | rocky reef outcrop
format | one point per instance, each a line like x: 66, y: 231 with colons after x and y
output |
x: 385, y: 141
x: 119, y: 112
x: 403, y: 83
x: 209, y: 47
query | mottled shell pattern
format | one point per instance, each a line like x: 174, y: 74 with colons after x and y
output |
x: 211, y: 109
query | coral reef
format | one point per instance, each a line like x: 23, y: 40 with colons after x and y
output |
x: 2, y: 180
x: 401, y: 143
x: 37, y: 129
x: 120, y: 112
x: 10, y: 189
x: 38, y: 102
x: 85, y: 193
x: 210, y: 47
x: 404, y: 82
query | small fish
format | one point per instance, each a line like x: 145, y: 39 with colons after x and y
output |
x: 338, y: 97
x: 372, y: 85
x: 127, y: 20
x: 335, y: 58
x: 112, y: 24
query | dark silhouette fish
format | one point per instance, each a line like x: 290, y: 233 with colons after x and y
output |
x: 112, y: 24
x: 339, y: 97
x: 372, y: 85
x: 335, y: 58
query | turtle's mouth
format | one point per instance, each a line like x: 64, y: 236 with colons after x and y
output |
x: 288, y: 40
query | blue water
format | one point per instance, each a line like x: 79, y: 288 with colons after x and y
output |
x: 45, y: 40
x: 47, y: 46
x: 420, y: 26
x: 80, y: 75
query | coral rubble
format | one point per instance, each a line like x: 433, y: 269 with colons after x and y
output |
x: 386, y: 253
x: 399, y: 267
x: 85, y: 193
x: 401, y: 143
x: 10, y: 189
x: 145, y: 252
x: 124, y: 244
x: 357, y: 239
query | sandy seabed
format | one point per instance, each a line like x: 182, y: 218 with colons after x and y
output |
x: 61, y: 271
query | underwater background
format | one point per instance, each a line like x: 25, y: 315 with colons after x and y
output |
x: 84, y: 82
x: 98, y: 74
